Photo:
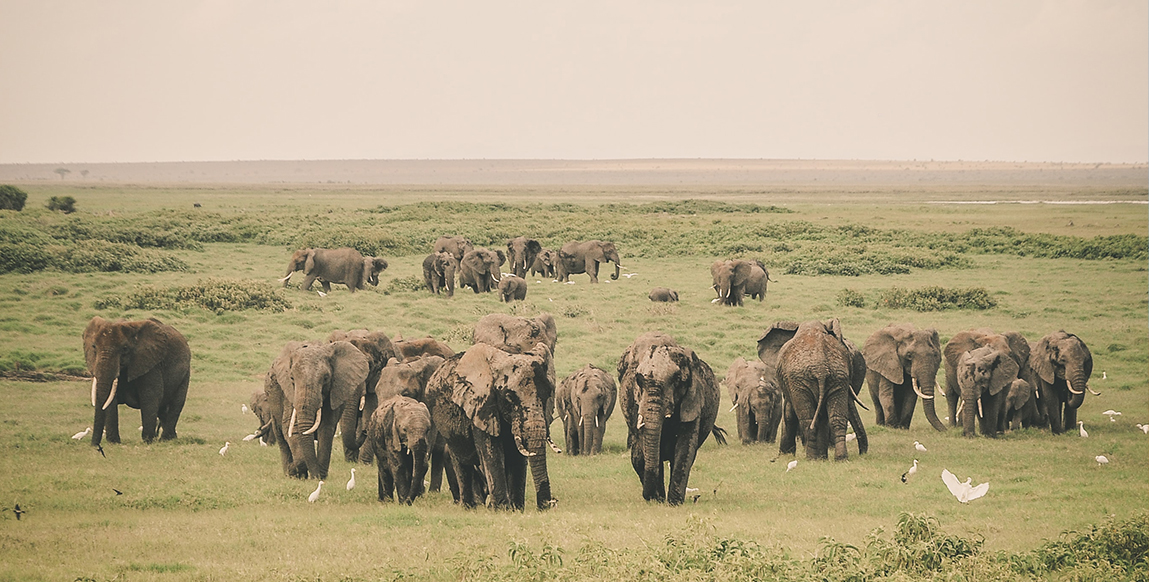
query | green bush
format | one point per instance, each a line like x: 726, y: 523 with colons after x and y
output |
x: 103, y: 256
x: 851, y: 298
x: 65, y: 204
x: 408, y: 284
x: 12, y: 198
x: 218, y: 295
x: 936, y: 298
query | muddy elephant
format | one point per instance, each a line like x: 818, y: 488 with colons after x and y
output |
x: 345, y: 265
x: 521, y: 254
x: 758, y: 280
x: 584, y: 401
x: 439, y: 272
x: 670, y: 400
x: 903, y: 363
x: 489, y: 408
x: 663, y: 294
x: 479, y: 269
x: 730, y: 278
x: 400, y: 433
x: 1020, y: 408
x: 1061, y: 365
x: 545, y: 263
x: 456, y: 245
x: 379, y: 350
x: 757, y: 400
x: 1009, y: 344
x: 419, y: 347
x: 983, y: 375
x: 410, y: 379
x: 143, y: 364
x: 512, y: 288
x: 261, y: 408
x: 309, y: 386
x: 584, y: 257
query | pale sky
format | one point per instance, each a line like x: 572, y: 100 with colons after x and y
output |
x: 148, y: 80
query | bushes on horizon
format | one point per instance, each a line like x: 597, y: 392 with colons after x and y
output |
x: 12, y: 198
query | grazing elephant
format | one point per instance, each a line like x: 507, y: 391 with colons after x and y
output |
x: 345, y: 265
x: 489, y: 408
x: 143, y: 364
x: 545, y: 263
x: 378, y: 349
x: 585, y: 401
x: 456, y: 245
x: 261, y: 408
x: 439, y: 272
x: 1021, y: 407
x: 512, y: 288
x: 1010, y: 344
x: 584, y: 257
x: 308, y: 387
x: 400, y: 432
x: 479, y: 269
x: 419, y: 347
x: 522, y: 252
x: 983, y: 374
x: 820, y: 373
x: 903, y: 363
x: 670, y: 400
x: 1061, y: 365
x: 409, y: 379
x: 730, y: 278
x: 663, y: 294
x: 756, y: 283
x: 754, y: 391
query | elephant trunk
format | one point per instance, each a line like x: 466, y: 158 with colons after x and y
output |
x: 926, y: 390
x: 536, y: 433
x: 586, y: 432
x: 616, y: 269
x: 761, y: 416
x: 349, y: 425
x: 1077, y: 383
x: 599, y: 430
x: 419, y: 452
x: 305, y: 420
x: 105, y: 383
x: 449, y: 280
x: 969, y: 412
x: 651, y: 431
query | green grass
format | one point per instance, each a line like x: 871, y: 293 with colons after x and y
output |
x: 188, y: 514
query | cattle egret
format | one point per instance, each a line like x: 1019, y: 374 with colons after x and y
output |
x: 223, y: 449
x: 262, y: 442
x: 1144, y: 428
x: 629, y: 275
x: 964, y: 492
x: 791, y: 465
x: 250, y: 437
x: 315, y: 494
x: 691, y: 490
x: 851, y: 436
x: 1081, y: 429
x: 1101, y: 460
x: 351, y: 481
x: 920, y: 447
x: 1103, y: 377
x: 80, y: 435
x: 321, y: 294
x: 243, y: 409
x: 910, y: 473
x: 1111, y: 414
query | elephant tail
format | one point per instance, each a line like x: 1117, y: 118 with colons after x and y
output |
x: 821, y: 400
x: 719, y: 434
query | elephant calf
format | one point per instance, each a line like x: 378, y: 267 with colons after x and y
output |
x: 262, y: 410
x: 663, y: 294
x: 545, y: 263
x: 757, y: 400
x: 399, y: 430
x: 512, y: 288
x: 585, y: 401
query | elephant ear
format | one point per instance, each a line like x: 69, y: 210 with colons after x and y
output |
x: 1041, y: 361
x: 474, y: 392
x: 857, y: 367
x: 884, y: 351
x: 533, y: 249
x: 502, y: 257
x: 309, y: 264
x: 965, y: 371
x: 741, y: 274
x: 1020, y: 392
x: 701, y: 383
x: 388, y: 421
x: 151, y: 342
x: 349, y: 368
x: 773, y: 339
x: 1004, y: 373
x: 834, y: 328
x: 961, y: 343
x: 1018, y: 347
x: 547, y: 322
x: 380, y: 264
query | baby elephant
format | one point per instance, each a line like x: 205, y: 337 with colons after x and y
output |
x: 512, y: 288
x: 663, y: 294
x: 399, y: 430
x: 262, y: 410
x: 585, y: 400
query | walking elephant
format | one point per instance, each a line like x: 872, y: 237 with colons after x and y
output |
x: 584, y: 257
x: 670, y: 400
x: 479, y: 269
x: 521, y: 253
x: 730, y: 279
x: 439, y: 272
x: 377, y: 347
x: 143, y: 364
x: 757, y: 399
x: 545, y: 263
x: 1009, y: 344
x: 1020, y: 408
x: 308, y: 387
x: 400, y: 432
x: 419, y: 347
x: 663, y: 294
x: 1061, y: 365
x: 409, y: 379
x: 903, y: 363
x: 983, y: 374
x: 585, y: 401
x: 262, y: 410
x: 456, y: 245
x: 345, y: 265
x: 512, y: 288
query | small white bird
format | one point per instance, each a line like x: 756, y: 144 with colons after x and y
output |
x: 262, y: 442
x: 351, y: 481
x: 321, y: 294
x: 1103, y: 377
x: 691, y: 490
x: 1144, y: 428
x: 629, y: 275
x: 80, y: 435
x: 570, y: 283
x: 910, y: 473
x: 243, y: 409
x: 1101, y: 460
x: 538, y: 281
x: 791, y: 465
x: 964, y: 492
x: 1081, y: 429
x: 1111, y: 414
x: 920, y: 447
x: 223, y: 449
x: 315, y: 494
x: 851, y: 436
x: 249, y: 437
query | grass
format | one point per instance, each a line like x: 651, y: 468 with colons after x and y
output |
x: 188, y: 514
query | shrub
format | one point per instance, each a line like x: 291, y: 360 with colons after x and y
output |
x: 851, y: 298
x: 218, y: 295
x: 65, y: 204
x: 99, y: 255
x: 936, y: 298
x: 406, y: 285
x: 12, y: 198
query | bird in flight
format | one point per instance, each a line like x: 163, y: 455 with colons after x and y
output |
x: 1111, y: 414
x: 118, y: 492
x: 964, y: 492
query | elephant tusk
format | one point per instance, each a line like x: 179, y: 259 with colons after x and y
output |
x: 315, y: 427
x: 554, y: 447
x: 291, y: 425
x: 112, y: 396
x: 640, y: 422
x: 362, y: 402
x: 733, y: 407
x: 1069, y: 385
x: 979, y: 412
x: 1092, y: 392
x: 93, y: 392
x: 523, y: 450
x: 596, y: 421
x: 1037, y: 393
x: 919, y: 391
x: 285, y: 278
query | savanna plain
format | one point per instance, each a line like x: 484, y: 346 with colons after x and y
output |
x: 188, y: 513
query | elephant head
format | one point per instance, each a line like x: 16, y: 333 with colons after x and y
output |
x: 378, y: 349
x: 521, y: 252
x: 261, y: 408
x: 756, y: 399
x: 401, y: 433
x: 585, y: 402
x: 983, y: 373
x: 372, y: 266
x: 1020, y: 404
x: 545, y: 263
x: 297, y: 263
x: 903, y: 354
x: 480, y: 269
x: 518, y: 335
x: 408, y: 378
x: 457, y: 246
x: 1011, y: 344
x: 730, y: 279
x: 1061, y: 359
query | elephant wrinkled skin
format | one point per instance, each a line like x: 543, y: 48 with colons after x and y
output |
x: 344, y: 265
x: 585, y: 401
x: 1062, y: 365
x: 479, y: 269
x: 521, y: 254
x: 439, y: 272
x: 377, y: 347
x: 987, y: 400
x: 400, y: 432
x: 756, y: 398
x: 903, y: 363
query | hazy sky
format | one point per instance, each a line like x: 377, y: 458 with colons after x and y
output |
x: 148, y: 80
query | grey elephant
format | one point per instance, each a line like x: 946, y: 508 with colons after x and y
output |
x: 344, y: 265
x: 439, y: 272
x: 545, y: 263
x: 512, y: 288
x: 308, y: 387
x: 519, y: 335
x: 489, y: 408
x: 756, y: 398
x: 1020, y: 408
x: 479, y: 269
x: 983, y: 375
x: 521, y: 254
x: 410, y: 379
x: 1009, y: 344
x: 670, y: 401
x: 377, y: 347
x: 408, y: 349
x: 585, y: 257
x: 758, y: 280
x: 903, y: 363
x: 584, y: 401
x: 145, y: 365
x: 261, y: 408
x: 663, y: 294
x: 1061, y: 365
x: 400, y: 432
x: 730, y: 278
x: 456, y: 245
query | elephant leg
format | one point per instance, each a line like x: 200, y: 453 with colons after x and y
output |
x: 327, y: 286
x: 349, y: 425
x: 760, y: 424
x: 1070, y: 416
x: 516, y: 468
x: 908, y: 404
x: 170, y: 412
x: 1053, y: 412
x: 307, y: 281
x: 439, y: 462
x: 788, y: 444
x: 859, y: 426
x: 494, y: 466
x: 637, y: 459
x: 326, y: 439
x: 382, y: 479
x: 285, y: 456
x: 886, y: 413
x: 570, y: 430
x: 112, y: 423
x: 388, y: 482
x: 685, y: 449
x: 838, y: 412
x: 591, y: 266
x: 402, y: 466
x: 952, y: 404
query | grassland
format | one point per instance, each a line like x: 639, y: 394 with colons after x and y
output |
x: 187, y: 513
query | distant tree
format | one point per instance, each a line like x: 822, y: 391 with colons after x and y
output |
x: 12, y: 198
x: 65, y: 204
x: 62, y: 172
x: 84, y: 173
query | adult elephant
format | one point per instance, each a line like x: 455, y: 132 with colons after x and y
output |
x: 903, y: 363
x: 308, y: 387
x: 1009, y: 343
x: 1020, y: 409
x: 1061, y: 365
x: 143, y: 364
x: 479, y: 269
x: 663, y: 294
x: 983, y: 374
x: 730, y: 278
x: 545, y: 263
x: 410, y: 379
x: 400, y: 432
x: 670, y: 400
x: 377, y: 347
x: 346, y: 265
x: 262, y: 410
x: 756, y: 283
x: 439, y: 272
x: 585, y: 401
x: 456, y: 245
x: 512, y: 288
x: 419, y: 347
x: 521, y: 253
x: 489, y: 408
x: 516, y: 335
x: 757, y: 399
x: 584, y: 257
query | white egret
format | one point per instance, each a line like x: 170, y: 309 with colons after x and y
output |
x: 920, y: 447
x: 1103, y: 377
x: 791, y: 465
x: 964, y: 492
x: 851, y: 436
x: 315, y: 494
x: 243, y: 409
x: 1144, y: 428
x: 1111, y: 414
x: 321, y: 294
x: 629, y: 275
x: 223, y: 449
x: 80, y: 435
x: 691, y: 490
x: 351, y: 481
x: 1101, y: 460
x: 1081, y: 429
x: 250, y: 437
x: 910, y: 473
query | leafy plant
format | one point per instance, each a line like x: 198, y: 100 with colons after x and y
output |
x: 217, y: 295
x: 936, y: 298
x: 12, y: 198
x: 851, y: 298
x: 65, y: 204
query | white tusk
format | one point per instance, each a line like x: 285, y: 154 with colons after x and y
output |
x: 291, y: 425
x: 979, y: 412
x: 285, y: 278
x: 1092, y: 392
x: 1037, y: 393
x: 554, y: 447
x: 315, y: 427
x: 112, y: 396
x: 362, y: 402
x: 93, y: 392
x: 596, y: 421
x: 640, y: 422
x: 733, y: 407
x: 523, y: 450
x: 918, y: 390
x: 1069, y: 385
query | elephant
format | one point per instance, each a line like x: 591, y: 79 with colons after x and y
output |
x: 1061, y: 365
x: 1011, y: 344
x: 1020, y: 408
x: 983, y: 374
x: 670, y: 401
x: 756, y: 283
x: 585, y: 401
x: 903, y: 363
x: 516, y: 335
x: 663, y: 294
x: 425, y: 346
x: 261, y: 408
x: 456, y: 245
x: 409, y: 379
x: 584, y: 257
x: 439, y: 272
x: 345, y: 265
x: 512, y: 288
x: 479, y: 269
x: 144, y: 364
x: 378, y: 349
x: 521, y: 253
x: 545, y: 263
x: 308, y: 387
x: 730, y: 278
x: 820, y: 373
x: 400, y: 432
x: 489, y: 409
x: 756, y: 397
